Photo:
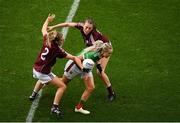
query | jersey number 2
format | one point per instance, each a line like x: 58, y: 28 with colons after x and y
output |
x: 44, y: 54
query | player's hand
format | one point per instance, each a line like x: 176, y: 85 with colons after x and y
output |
x: 49, y: 28
x: 51, y: 17
x: 86, y: 70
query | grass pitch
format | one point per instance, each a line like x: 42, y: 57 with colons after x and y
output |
x: 144, y: 68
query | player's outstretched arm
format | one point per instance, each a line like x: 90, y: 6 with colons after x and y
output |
x: 88, y: 49
x: 50, y: 18
x: 66, y: 24
x: 98, y: 44
x: 75, y: 59
x: 91, y: 48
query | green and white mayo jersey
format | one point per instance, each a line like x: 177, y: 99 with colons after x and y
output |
x: 95, y: 56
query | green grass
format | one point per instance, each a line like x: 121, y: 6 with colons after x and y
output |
x: 145, y: 35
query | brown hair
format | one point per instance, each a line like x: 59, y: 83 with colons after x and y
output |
x: 91, y: 21
x: 56, y: 37
x: 59, y: 39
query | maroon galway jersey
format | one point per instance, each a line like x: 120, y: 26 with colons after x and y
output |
x: 47, y: 57
x: 92, y: 36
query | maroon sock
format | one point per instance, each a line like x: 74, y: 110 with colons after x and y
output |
x: 110, y: 90
x: 55, y: 106
x: 79, y: 105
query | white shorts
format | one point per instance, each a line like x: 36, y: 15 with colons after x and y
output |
x: 71, y: 70
x: 43, y: 78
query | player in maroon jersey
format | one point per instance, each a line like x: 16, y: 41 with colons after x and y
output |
x: 42, y: 69
x: 90, y: 34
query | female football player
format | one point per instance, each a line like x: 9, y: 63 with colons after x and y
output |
x: 90, y: 35
x: 42, y: 69
x: 89, y: 56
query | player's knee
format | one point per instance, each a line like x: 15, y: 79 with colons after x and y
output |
x: 97, y: 71
x: 64, y: 86
x: 91, y: 88
x: 103, y: 72
x: 65, y: 81
x: 100, y: 73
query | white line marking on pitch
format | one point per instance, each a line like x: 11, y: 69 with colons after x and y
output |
x: 34, y: 105
x: 64, y: 31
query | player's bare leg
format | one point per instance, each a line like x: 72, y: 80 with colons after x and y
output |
x: 89, y: 83
x: 59, y: 93
x: 37, y: 88
x: 105, y: 78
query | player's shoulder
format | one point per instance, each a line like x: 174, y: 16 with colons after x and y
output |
x: 62, y: 53
x: 91, y: 52
x: 56, y: 47
x: 101, y: 36
x: 79, y: 24
x: 97, y: 32
x: 61, y: 49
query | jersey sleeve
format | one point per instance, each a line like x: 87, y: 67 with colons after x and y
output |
x: 101, y: 37
x: 104, y: 39
x: 61, y: 53
x: 79, y: 26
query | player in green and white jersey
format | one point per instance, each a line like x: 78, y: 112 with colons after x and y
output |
x: 95, y: 53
